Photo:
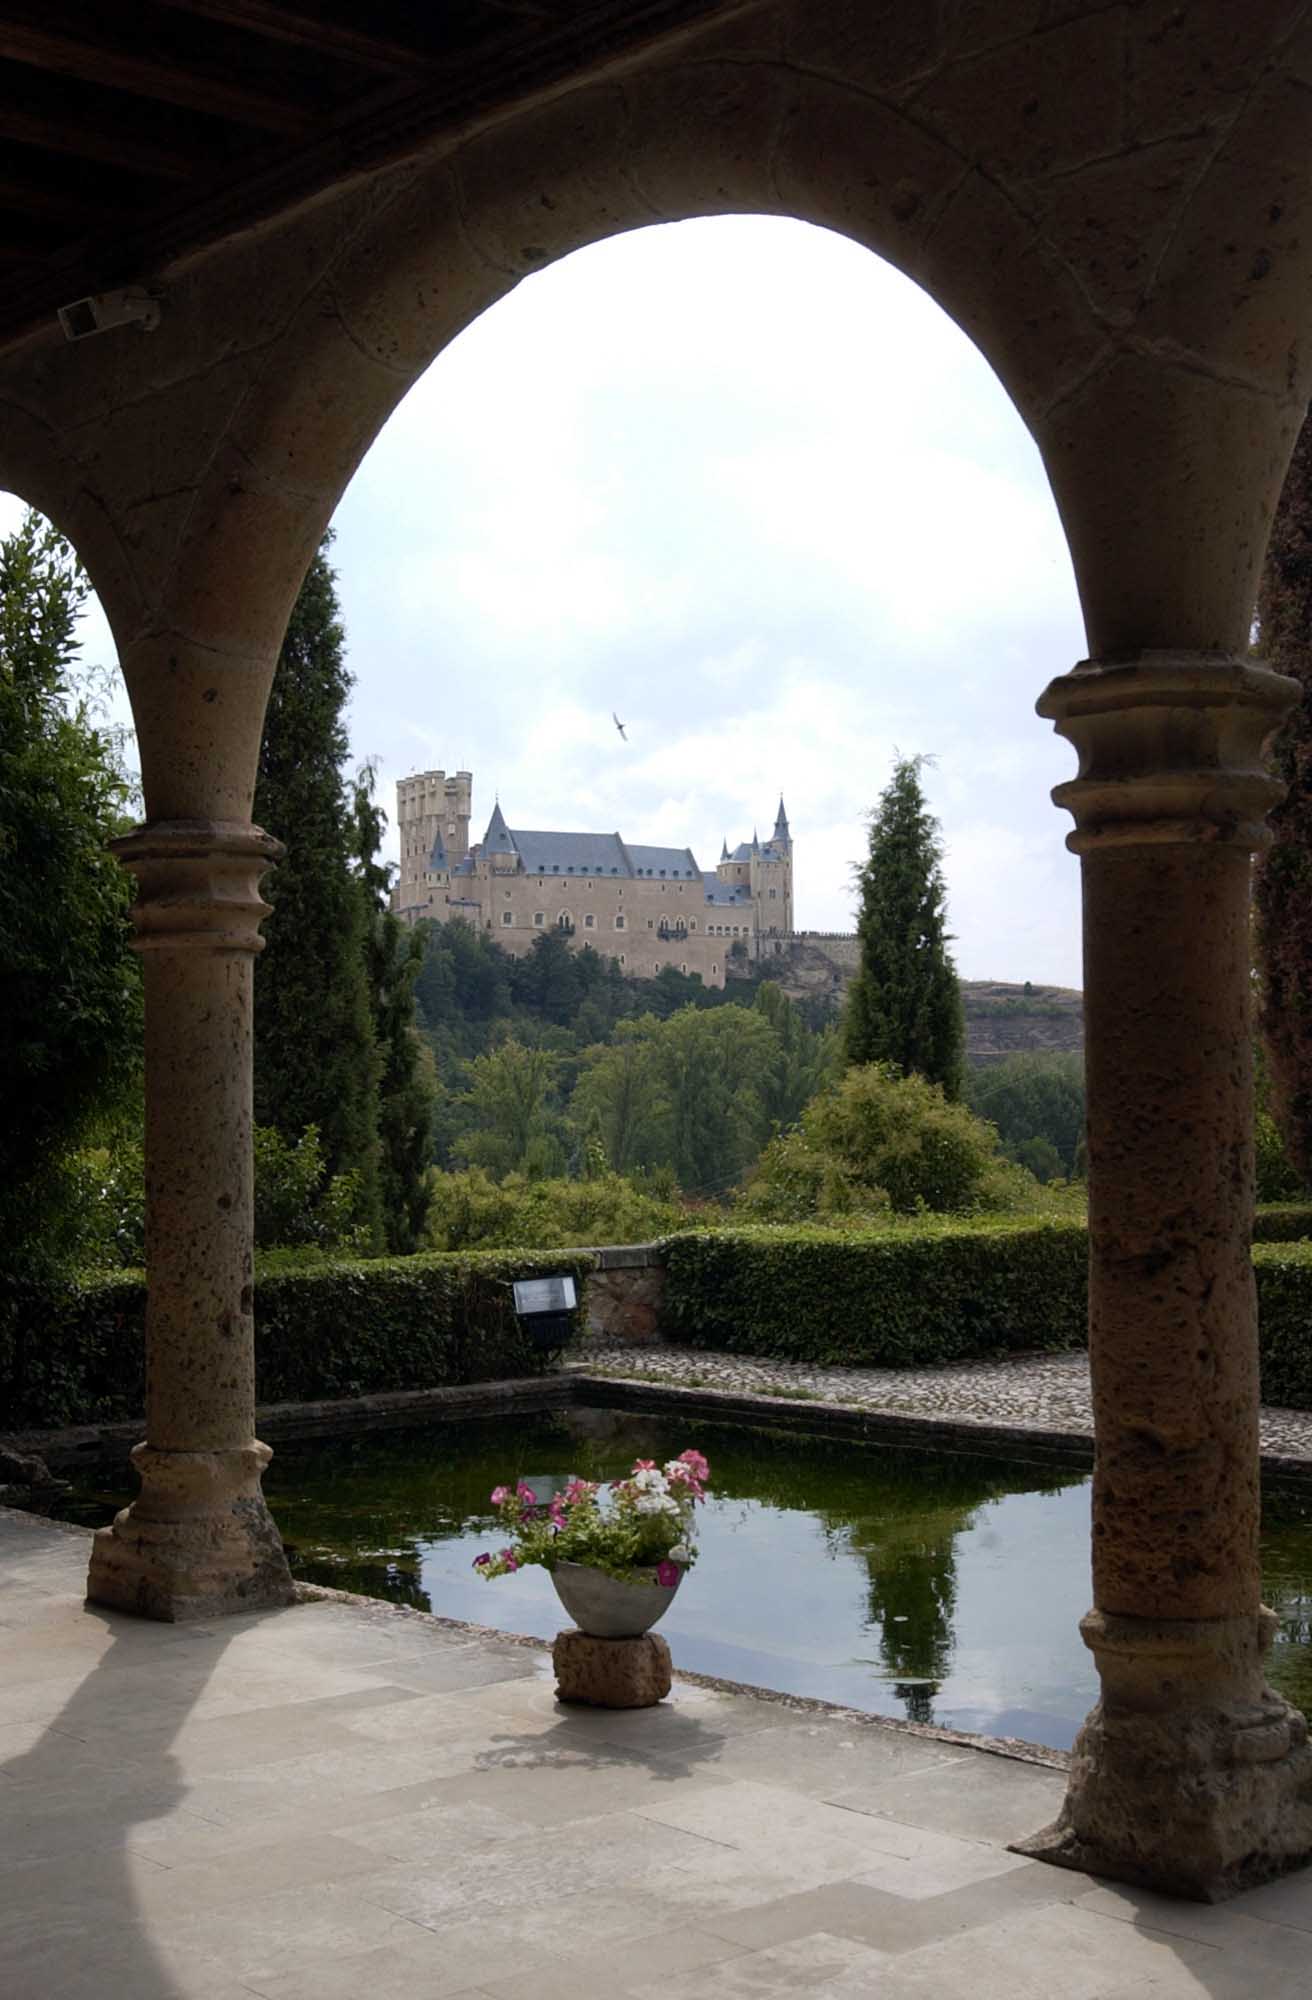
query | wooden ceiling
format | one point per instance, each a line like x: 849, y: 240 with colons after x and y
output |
x: 134, y: 130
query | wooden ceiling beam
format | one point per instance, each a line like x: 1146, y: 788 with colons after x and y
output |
x: 100, y: 141
x: 301, y: 27
x: 102, y: 58
x: 20, y: 196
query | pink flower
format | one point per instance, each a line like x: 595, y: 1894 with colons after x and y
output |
x: 481, y: 1562
x: 696, y: 1464
x: 500, y: 1495
x: 644, y: 1465
x: 510, y: 1559
x: 524, y: 1491
x: 667, y: 1575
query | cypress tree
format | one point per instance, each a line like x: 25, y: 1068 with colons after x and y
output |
x: 1283, y: 886
x: 904, y: 1006
x: 316, y: 1058
x: 70, y: 986
x: 407, y: 1083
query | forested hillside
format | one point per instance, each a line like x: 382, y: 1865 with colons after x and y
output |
x: 556, y: 1063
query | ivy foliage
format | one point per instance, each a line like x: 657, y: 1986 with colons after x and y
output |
x: 904, y: 1006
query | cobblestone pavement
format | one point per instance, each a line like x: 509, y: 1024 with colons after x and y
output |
x: 1042, y: 1392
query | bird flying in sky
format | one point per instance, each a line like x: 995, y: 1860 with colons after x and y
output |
x: 619, y: 725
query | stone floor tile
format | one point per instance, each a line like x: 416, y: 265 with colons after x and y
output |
x: 935, y: 1864
x: 529, y: 1871
x: 804, y: 1965
x: 1236, y: 1926
x: 416, y: 1968
x: 299, y: 1930
x: 1056, y: 1952
x: 824, y: 1754
x: 1004, y: 1800
x: 758, y: 1817
x: 552, y: 1785
x: 439, y: 1833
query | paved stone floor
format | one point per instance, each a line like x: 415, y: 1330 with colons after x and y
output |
x: 343, y: 1801
x: 1042, y: 1392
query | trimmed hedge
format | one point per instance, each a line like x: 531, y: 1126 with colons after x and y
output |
x: 936, y: 1292
x: 1282, y: 1222
x: 74, y: 1353
x: 1284, y: 1312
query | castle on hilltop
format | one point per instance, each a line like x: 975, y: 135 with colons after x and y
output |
x: 647, y: 907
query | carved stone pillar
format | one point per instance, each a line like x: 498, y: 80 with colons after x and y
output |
x: 198, y: 1540
x: 1190, y: 1775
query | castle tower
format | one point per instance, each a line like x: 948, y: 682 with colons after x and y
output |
x: 432, y: 813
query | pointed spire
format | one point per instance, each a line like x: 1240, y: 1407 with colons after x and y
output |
x: 781, y: 822
x: 724, y: 850
x: 756, y: 845
x: 437, y: 859
x: 497, y: 839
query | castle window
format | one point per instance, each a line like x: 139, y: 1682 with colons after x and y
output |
x: 538, y: 919
x: 651, y: 923
x: 662, y: 871
x: 773, y: 894
x: 621, y: 958
x: 692, y: 924
x: 589, y: 920
x: 507, y: 918
x: 619, y: 922
x: 683, y: 968
x: 555, y: 867
x: 715, y: 968
x: 506, y: 894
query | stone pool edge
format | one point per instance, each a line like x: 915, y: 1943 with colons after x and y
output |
x: 575, y: 1385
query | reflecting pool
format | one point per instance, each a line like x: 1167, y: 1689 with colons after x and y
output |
x: 931, y: 1585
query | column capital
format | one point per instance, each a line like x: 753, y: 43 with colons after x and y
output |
x: 198, y: 883
x: 1170, y: 749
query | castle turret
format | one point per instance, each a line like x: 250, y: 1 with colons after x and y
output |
x: 498, y: 848
x: 430, y: 807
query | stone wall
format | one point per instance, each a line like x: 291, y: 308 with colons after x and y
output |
x: 625, y: 1295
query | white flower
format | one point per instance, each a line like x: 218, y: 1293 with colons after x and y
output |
x: 650, y: 1481
x: 680, y: 1553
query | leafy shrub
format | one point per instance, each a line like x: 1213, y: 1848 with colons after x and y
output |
x: 470, y: 1210
x: 879, y: 1141
x: 296, y: 1206
x: 74, y: 1352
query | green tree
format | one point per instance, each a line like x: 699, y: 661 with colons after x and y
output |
x: 70, y: 986
x: 712, y: 1068
x: 316, y: 1056
x: 1283, y: 885
x: 804, y: 1061
x: 617, y: 1087
x: 407, y: 1082
x: 511, y: 1126
x: 904, y: 1006
x: 1036, y: 1100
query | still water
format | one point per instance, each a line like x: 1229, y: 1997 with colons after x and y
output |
x: 935, y: 1586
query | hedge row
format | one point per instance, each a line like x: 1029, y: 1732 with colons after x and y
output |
x: 1282, y: 1222
x: 936, y: 1294
x: 74, y: 1353
x: 894, y: 1299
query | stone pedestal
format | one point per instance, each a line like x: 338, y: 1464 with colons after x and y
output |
x: 1190, y: 1776
x: 198, y: 1540
x: 611, y: 1673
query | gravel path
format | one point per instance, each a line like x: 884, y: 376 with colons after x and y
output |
x: 1043, y: 1392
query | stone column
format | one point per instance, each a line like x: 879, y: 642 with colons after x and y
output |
x: 1190, y: 1775
x: 198, y: 1540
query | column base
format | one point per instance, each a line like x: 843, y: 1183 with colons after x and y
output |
x: 197, y: 1542
x: 1191, y: 1776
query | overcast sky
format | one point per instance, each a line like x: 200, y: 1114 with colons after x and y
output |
x: 747, y: 486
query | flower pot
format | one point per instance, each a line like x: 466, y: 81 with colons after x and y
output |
x: 607, y: 1609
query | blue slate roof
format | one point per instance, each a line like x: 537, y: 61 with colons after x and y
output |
x: 677, y: 863
x: 571, y: 853
x: 497, y: 839
x: 437, y: 859
x: 725, y: 893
